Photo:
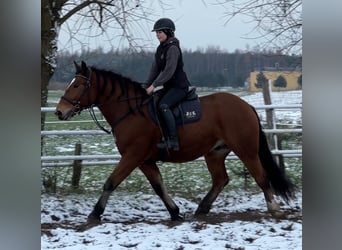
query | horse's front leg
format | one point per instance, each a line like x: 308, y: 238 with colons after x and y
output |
x: 126, y: 165
x: 152, y: 173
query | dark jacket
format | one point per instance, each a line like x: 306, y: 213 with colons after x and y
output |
x: 167, y: 69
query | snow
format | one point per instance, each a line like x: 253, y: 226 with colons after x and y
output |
x: 64, y: 149
x: 279, y: 98
x: 238, y: 219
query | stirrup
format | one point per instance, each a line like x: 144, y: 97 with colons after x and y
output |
x: 173, y: 143
x: 162, y: 145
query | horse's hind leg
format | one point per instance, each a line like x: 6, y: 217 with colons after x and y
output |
x: 152, y: 173
x: 255, y: 168
x: 215, y: 162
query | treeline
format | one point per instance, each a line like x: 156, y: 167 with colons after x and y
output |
x: 211, y: 67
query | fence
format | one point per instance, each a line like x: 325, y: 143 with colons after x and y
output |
x: 110, y: 159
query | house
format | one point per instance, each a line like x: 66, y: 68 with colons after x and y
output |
x: 282, y: 79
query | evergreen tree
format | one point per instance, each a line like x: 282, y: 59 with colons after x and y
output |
x: 261, y: 80
x: 299, y: 80
x: 280, y: 82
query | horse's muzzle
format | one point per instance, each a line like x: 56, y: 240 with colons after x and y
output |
x: 64, y: 115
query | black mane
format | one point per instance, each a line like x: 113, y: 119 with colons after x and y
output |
x: 124, y: 82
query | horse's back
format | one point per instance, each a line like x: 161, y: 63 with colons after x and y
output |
x: 225, y: 103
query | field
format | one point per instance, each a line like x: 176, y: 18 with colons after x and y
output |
x: 135, y: 217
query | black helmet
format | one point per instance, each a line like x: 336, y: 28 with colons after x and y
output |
x: 164, y: 23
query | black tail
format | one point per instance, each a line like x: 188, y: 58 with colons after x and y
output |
x: 281, y: 185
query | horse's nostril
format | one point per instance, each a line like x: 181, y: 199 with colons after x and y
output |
x: 58, y: 113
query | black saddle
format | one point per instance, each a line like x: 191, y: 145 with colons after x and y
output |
x: 188, y: 110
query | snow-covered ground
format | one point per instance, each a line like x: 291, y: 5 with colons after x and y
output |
x: 238, y: 219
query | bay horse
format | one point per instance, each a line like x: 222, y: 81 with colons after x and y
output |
x: 227, y: 124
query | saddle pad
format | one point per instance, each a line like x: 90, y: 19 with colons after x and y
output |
x: 186, y: 112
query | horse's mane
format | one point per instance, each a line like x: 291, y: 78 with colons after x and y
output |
x: 124, y: 82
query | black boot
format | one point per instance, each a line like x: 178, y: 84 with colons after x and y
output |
x: 169, y: 120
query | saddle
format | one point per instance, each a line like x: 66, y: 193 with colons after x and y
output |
x: 186, y: 111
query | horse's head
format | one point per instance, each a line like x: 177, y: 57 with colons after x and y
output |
x: 77, y: 94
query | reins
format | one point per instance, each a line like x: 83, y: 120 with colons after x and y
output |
x: 131, y: 112
x: 131, y: 98
x: 93, y: 116
x: 121, y: 118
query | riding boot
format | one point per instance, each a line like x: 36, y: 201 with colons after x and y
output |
x: 169, y: 120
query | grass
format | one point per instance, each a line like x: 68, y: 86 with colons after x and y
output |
x: 186, y: 180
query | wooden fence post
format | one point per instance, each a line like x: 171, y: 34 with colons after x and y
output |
x: 77, y: 168
x: 269, y: 112
x: 271, y: 123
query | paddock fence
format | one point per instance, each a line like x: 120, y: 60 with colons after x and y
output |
x: 111, y: 159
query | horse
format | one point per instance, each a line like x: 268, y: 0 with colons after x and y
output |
x: 227, y: 124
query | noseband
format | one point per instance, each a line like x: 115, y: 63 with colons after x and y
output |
x: 77, y: 104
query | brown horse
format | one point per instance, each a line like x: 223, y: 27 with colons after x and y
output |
x: 227, y: 124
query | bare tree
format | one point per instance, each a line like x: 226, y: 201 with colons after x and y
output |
x: 112, y: 18
x: 90, y: 18
x: 277, y: 21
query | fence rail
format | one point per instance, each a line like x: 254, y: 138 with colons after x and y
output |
x: 110, y: 159
x: 271, y: 106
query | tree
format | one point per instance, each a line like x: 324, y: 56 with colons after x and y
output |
x: 299, y: 80
x: 279, y: 22
x: 280, y: 82
x: 104, y: 14
x: 261, y: 80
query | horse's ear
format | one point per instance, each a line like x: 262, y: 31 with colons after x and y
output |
x: 78, y: 68
x: 84, y: 66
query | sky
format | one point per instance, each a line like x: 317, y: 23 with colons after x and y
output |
x: 198, y: 25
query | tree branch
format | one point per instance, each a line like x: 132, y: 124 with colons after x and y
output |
x: 279, y: 20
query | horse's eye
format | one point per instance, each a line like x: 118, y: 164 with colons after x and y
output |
x: 76, y: 85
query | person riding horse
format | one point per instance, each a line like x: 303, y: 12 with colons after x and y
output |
x: 222, y: 131
x: 167, y: 71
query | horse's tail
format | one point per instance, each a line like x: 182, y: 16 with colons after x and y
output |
x: 280, y: 183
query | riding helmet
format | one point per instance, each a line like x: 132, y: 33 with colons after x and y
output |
x: 164, y: 24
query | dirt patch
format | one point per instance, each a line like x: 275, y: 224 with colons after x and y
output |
x: 293, y: 215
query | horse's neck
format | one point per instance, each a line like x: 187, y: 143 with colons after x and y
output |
x: 118, y: 107
x: 112, y: 111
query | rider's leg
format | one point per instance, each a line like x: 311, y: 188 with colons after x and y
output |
x: 172, y: 97
x: 169, y: 120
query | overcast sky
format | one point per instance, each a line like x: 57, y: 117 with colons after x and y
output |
x: 197, y: 26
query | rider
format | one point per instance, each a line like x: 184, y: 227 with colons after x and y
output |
x: 167, y: 71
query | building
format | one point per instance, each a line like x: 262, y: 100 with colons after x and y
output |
x: 285, y: 79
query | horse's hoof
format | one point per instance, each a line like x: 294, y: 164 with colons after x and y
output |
x: 200, y: 216
x: 92, y: 221
x: 278, y: 214
x: 92, y: 218
x: 202, y: 209
x: 177, y: 218
x: 273, y: 206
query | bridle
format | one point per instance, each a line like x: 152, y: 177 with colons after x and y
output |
x: 77, y: 108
